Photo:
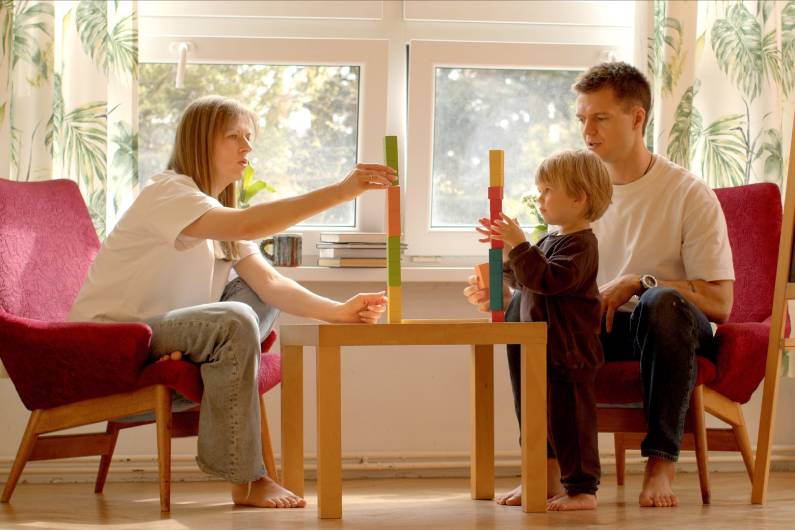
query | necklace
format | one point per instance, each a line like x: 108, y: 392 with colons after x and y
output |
x: 651, y: 161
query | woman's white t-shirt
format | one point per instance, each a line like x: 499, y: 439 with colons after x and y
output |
x: 669, y: 224
x: 145, y: 267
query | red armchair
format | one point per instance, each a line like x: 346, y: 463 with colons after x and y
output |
x: 77, y: 373
x: 753, y: 215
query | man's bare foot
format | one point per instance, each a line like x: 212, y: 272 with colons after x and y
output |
x: 566, y: 503
x: 173, y: 356
x: 554, y: 487
x: 265, y: 493
x: 657, y: 479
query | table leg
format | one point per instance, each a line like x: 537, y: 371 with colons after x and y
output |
x: 329, y: 433
x: 534, y: 427
x: 293, y: 418
x: 481, y: 475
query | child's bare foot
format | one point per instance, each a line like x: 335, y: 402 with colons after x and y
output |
x: 173, y: 356
x: 566, y: 503
x: 554, y: 487
x: 265, y: 493
x: 657, y: 479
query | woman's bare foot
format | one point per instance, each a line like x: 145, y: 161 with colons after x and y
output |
x: 554, y: 487
x: 657, y: 479
x: 566, y: 503
x: 173, y: 356
x: 265, y: 493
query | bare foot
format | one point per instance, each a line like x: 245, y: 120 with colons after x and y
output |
x: 554, y: 487
x: 265, y: 493
x: 173, y: 356
x: 565, y: 503
x: 657, y: 479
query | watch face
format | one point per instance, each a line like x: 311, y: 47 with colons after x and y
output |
x: 648, y: 281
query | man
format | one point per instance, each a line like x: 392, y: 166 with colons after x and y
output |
x: 665, y: 269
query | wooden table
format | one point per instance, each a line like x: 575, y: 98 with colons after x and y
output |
x: 481, y: 335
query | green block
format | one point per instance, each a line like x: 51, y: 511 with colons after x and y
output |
x: 391, y: 155
x: 393, y: 260
x: 495, y: 279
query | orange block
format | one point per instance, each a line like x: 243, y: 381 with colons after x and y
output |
x: 482, y: 272
x: 393, y: 211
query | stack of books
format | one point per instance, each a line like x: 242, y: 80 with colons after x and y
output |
x: 352, y: 249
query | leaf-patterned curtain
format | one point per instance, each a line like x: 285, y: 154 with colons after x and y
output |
x: 723, y: 75
x: 724, y: 89
x: 68, y: 98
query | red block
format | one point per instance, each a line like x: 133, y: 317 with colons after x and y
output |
x: 498, y: 316
x: 495, y: 209
x: 393, y: 211
x: 495, y: 243
x: 495, y: 192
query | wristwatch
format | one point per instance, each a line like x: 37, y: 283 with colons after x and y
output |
x: 647, y: 281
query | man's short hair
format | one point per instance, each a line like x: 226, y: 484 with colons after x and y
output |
x: 580, y: 173
x: 629, y: 85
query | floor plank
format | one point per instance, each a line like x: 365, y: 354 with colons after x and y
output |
x: 393, y: 503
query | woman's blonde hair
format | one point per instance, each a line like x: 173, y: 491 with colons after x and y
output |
x: 201, y: 122
x: 579, y: 173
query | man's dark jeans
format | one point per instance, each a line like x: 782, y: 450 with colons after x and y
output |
x: 665, y: 332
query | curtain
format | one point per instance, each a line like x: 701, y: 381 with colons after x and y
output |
x: 68, y: 98
x: 723, y: 76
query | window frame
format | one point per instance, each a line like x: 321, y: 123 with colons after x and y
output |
x: 370, y: 55
x: 425, y: 57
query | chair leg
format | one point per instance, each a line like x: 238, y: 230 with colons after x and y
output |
x: 621, y: 454
x: 25, y: 449
x: 104, y: 462
x: 744, y: 443
x: 700, y: 440
x: 267, y: 446
x: 163, y: 421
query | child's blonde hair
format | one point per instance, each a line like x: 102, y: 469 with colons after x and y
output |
x: 579, y: 173
x: 201, y: 121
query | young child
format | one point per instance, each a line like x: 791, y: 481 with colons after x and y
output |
x: 557, y: 279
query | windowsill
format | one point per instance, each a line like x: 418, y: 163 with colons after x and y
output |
x: 446, y: 269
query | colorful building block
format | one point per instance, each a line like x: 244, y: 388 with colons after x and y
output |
x: 482, y: 273
x: 393, y: 211
x: 495, y: 279
x: 393, y: 260
x: 394, y: 314
x: 496, y: 167
x: 498, y: 316
x: 391, y: 155
x: 496, y: 192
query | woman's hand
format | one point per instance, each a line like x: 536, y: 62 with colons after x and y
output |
x: 364, y: 308
x: 503, y: 229
x: 365, y: 177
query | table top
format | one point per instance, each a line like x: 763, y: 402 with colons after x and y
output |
x: 414, y: 332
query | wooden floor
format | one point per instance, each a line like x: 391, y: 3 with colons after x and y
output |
x: 393, y: 503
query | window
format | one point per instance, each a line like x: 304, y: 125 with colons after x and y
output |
x: 308, y: 122
x: 320, y: 103
x: 466, y: 98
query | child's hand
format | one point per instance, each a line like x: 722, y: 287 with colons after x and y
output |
x: 503, y: 229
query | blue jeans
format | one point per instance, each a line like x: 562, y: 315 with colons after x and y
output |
x: 224, y: 339
x: 665, y: 332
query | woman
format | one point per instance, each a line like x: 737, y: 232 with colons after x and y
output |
x: 167, y: 263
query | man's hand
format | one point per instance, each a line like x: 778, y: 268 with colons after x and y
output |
x: 617, y: 293
x: 364, y: 308
x: 478, y: 296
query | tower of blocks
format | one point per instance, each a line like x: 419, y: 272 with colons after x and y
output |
x: 490, y: 274
x: 394, y: 289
